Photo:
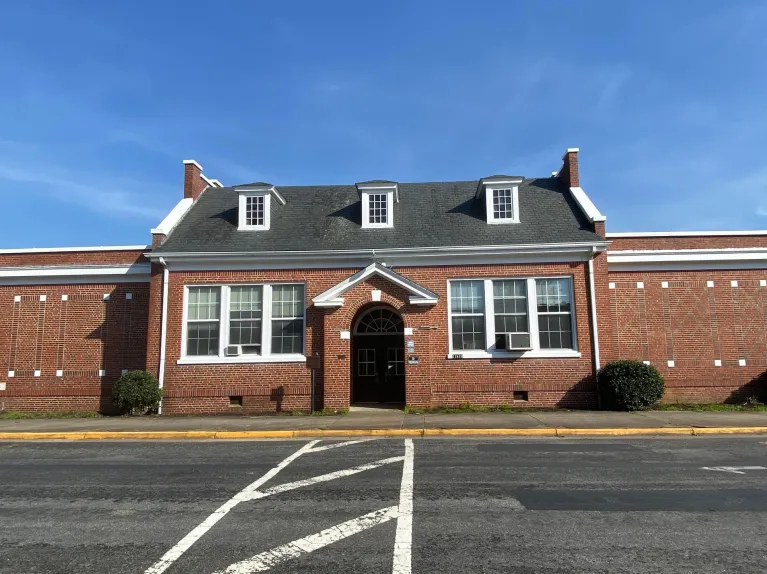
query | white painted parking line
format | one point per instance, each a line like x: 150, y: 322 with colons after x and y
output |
x: 339, y: 444
x: 322, y: 478
x: 270, y: 558
x: 403, y: 540
x: 734, y: 469
x: 187, y: 541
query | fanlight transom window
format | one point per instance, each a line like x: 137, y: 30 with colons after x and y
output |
x: 380, y: 321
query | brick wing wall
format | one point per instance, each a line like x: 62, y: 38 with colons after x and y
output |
x: 62, y: 346
x: 706, y: 334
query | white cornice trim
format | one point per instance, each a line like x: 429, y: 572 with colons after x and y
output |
x: 687, y: 259
x: 65, y: 274
x: 685, y: 233
x: 211, y: 182
x: 175, y: 215
x: 397, y: 257
x: 192, y: 162
x: 332, y: 297
x: 75, y: 249
x: 587, y: 206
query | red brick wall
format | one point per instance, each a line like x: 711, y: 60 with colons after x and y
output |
x: 73, y: 258
x: 435, y: 380
x: 698, y: 242
x: 80, y: 336
x: 694, y: 325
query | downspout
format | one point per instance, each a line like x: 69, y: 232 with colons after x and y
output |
x: 163, y: 327
x: 594, y: 328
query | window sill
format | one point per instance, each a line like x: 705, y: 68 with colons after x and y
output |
x: 212, y: 360
x: 537, y: 354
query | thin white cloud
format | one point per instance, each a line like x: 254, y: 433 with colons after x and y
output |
x: 87, y: 190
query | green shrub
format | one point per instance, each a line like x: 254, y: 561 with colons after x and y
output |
x: 136, y: 392
x: 630, y: 385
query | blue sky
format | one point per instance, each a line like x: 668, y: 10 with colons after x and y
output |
x: 102, y: 100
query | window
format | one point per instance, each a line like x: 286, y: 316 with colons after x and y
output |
x: 245, y: 315
x: 377, y: 208
x: 537, y: 313
x: 287, y: 318
x: 510, y: 309
x: 554, y: 313
x: 395, y: 364
x: 502, y: 204
x: 467, y: 310
x: 254, y: 210
x: 244, y: 323
x: 366, y: 362
x: 204, y: 309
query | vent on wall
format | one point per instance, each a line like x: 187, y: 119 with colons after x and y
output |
x: 235, y: 401
x: 520, y: 395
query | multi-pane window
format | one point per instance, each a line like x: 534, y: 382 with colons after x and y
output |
x: 510, y: 310
x: 554, y: 313
x: 254, y: 210
x: 489, y: 315
x: 377, y: 208
x: 366, y: 362
x: 239, y: 320
x: 287, y: 319
x: 395, y: 360
x: 203, y: 314
x: 467, y: 309
x: 245, y: 317
x: 503, y: 204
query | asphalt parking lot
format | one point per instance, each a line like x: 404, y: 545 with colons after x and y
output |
x: 687, y: 504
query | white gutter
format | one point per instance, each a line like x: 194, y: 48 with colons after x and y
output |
x: 594, y: 328
x: 163, y: 328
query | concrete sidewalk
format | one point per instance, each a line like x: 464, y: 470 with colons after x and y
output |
x: 390, y: 420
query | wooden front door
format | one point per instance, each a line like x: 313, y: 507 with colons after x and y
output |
x: 378, y: 358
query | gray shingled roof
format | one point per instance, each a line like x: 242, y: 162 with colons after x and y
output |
x: 438, y: 214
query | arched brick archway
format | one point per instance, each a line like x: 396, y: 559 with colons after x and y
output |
x: 377, y: 355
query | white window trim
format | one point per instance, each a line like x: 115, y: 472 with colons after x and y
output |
x: 366, y: 208
x: 266, y: 355
x: 242, y: 212
x: 489, y: 352
x: 489, y: 190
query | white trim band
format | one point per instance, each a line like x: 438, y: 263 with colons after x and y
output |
x: 136, y: 273
x: 684, y: 233
x: 688, y: 259
x: 75, y: 249
x: 175, y: 215
x: 586, y: 205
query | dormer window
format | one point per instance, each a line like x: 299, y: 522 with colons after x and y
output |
x: 255, y: 206
x: 254, y: 210
x: 378, y: 199
x: 501, y: 195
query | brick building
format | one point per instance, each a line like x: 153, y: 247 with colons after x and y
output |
x: 498, y: 290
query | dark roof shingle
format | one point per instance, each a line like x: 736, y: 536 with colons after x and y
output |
x: 440, y: 214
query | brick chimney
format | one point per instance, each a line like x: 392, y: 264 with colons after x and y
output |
x: 569, y: 172
x: 193, y: 179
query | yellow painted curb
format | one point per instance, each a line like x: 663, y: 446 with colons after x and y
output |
x: 356, y: 432
x: 331, y: 433
x: 729, y: 430
x: 624, y: 432
x: 255, y: 434
x: 42, y: 435
x: 495, y: 432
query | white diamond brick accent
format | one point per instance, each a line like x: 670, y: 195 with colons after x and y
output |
x: 709, y: 283
x: 59, y: 373
x: 106, y: 296
x: 43, y: 297
x: 37, y: 373
x: 11, y: 374
x: 741, y: 362
x: 717, y: 362
x: 640, y: 285
x: 733, y: 283
x: 17, y: 298
x: 65, y: 297
x: 664, y: 284
x: 671, y: 364
x: 611, y: 285
x: 762, y: 282
x: 128, y: 296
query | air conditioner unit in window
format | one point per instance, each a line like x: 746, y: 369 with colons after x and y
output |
x: 233, y: 351
x: 517, y: 342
